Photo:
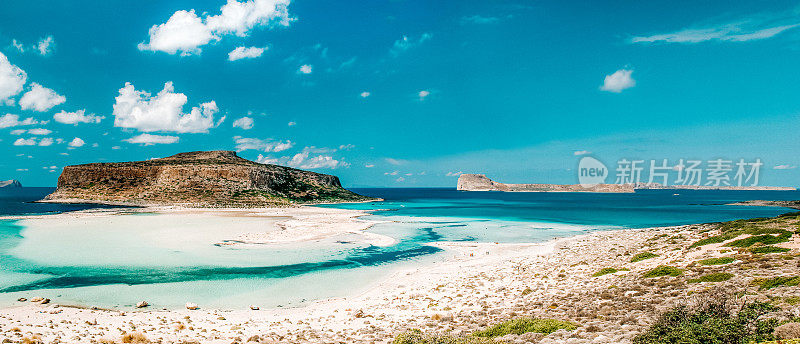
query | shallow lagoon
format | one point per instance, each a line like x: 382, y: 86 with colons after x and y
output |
x: 171, y: 259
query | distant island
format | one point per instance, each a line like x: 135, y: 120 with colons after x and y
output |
x: 13, y: 183
x: 202, y: 179
x: 479, y: 182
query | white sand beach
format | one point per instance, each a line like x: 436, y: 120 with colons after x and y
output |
x: 471, y: 286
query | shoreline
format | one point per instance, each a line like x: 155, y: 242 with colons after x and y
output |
x: 470, y: 286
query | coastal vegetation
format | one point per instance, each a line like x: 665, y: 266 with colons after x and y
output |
x: 663, y: 270
x: 605, y: 271
x: 716, y: 320
x: 525, y: 325
x: 642, y: 256
x: 714, y: 277
x: 716, y: 261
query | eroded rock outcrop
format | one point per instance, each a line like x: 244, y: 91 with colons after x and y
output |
x: 479, y: 182
x: 206, y: 178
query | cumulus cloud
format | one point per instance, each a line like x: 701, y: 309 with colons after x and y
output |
x: 245, y: 123
x: 46, y: 142
x: 405, y: 43
x: 364, y: 94
x: 245, y: 53
x: 266, y: 145
x: 582, y: 152
x: 12, y: 79
x: 163, y: 112
x: 18, y: 131
x: 186, y: 32
x: 25, y: 142
x: 618, y: 81
x: 784, y: 167
x: 310, y: 159
x: 347, y: 147
x: 369, y: 165
x: 40, y: 131
x: 454, y: 174
x: 44, y: 46
x: 40, y: 98
x: 76, y: 142
x: 423, y: 94
x: 740, y: 31
x: 11, y: 120
x: 76, y: 117
x: 149, y: 139
x: 305, y: 69
x: 291, y: 124
x: 395, y: 162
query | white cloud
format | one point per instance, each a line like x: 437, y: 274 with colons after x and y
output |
x: 261, y: 159
x: 739, y: 31
x: 44, y: 45
x: 479, y: 19
x: 39, y: 131
x: 400, y: 179
x: 17, y: 132
x: 268, y: 145
x: 22, y: 170
x: 369, y: 165
x: 405, y: 43
x: 12, y: 78
x: 40, y: 98
x: 76, y: 142
x: 245, y: 53
x: 364, y: 94
x: 582, y: 152
x: 347, y: 147
x: 305, y: 69
x: 784, y: 167
x: 46, y: 142
x: 164, y: 112
x: 245, y: 123
x: 393, y: 173
x: 454, y: 174
x: 618, y: 81
x: 25, y: 142
x: 11, y: 120
x: 291, y: 124
x: 76, y: 117
x: 395, y: 162
x: 186, y: 32
x: 423, y: 94
x: 149, y: 140
x: 18, y: 45
x: 305, y: 160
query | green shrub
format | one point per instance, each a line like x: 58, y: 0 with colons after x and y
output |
x: 642, y: 256
x: 769, y: 249
x: 417, y: 337
x: 604, y: 271
x: 525, y: 325
x: 663, y: 270
x: 766, y: 239
x: 713, y: 322
x: 781, y: 281
x: 717, y: 261
x: 715, y: 277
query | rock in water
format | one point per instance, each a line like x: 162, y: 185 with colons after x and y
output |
x: 213, y: 178
x: 37, y: 299
x: 13, y: 183
x: 142, y: 304
x: 191, y: 306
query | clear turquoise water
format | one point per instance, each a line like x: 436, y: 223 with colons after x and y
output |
x: 230, y: 277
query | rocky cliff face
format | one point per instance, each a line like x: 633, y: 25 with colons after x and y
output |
x: 13, y: 183
x: 213, y: 178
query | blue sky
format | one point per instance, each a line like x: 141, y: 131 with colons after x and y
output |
x: 400, y: 93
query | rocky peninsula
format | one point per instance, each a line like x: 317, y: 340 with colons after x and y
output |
x: 479, y: 182
x: 197, y: 179
x: 13, y: 183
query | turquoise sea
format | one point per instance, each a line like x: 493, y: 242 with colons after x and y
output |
x: 138, y: 258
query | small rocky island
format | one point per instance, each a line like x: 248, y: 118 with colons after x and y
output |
x: 201, y: 179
